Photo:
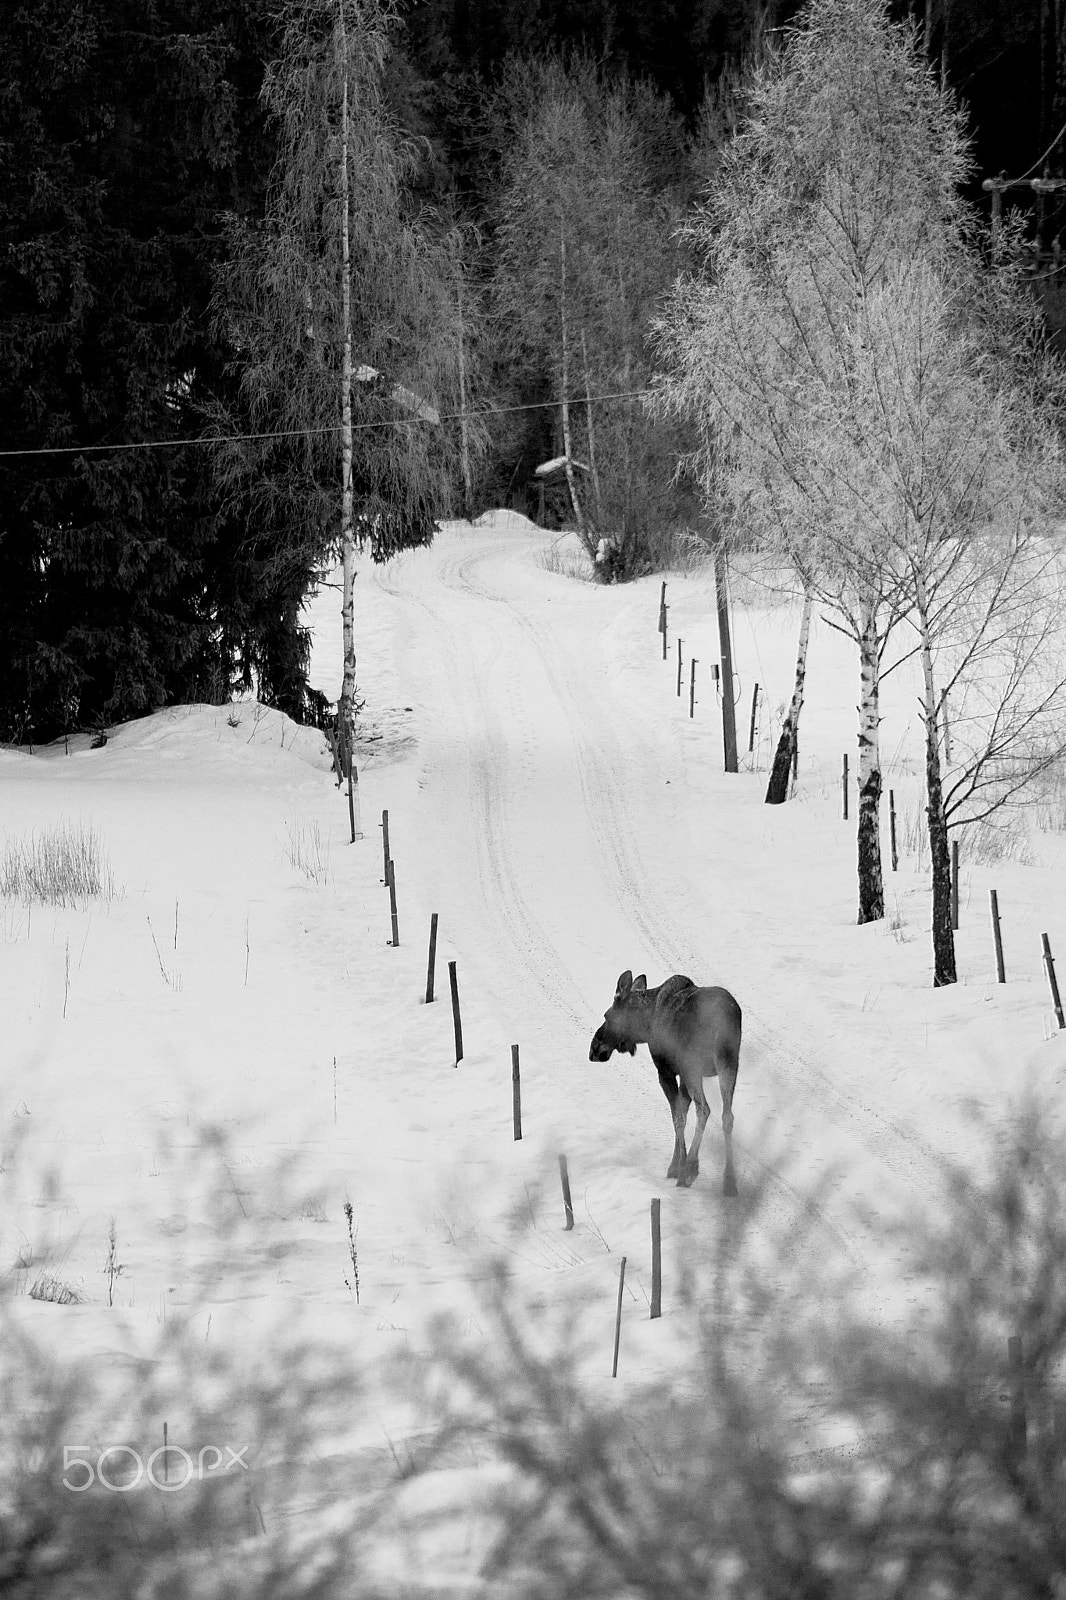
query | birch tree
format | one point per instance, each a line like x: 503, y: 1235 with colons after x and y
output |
x: 339, y: 308
x: 787, y: 750
x: 846, y: 171
x: 888, y: 403
x: 967, y: 392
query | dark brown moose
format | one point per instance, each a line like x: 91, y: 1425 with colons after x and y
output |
x: 692, y: 1034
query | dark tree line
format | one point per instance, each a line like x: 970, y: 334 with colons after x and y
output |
x: 126, y: 130
x: 132, y: 134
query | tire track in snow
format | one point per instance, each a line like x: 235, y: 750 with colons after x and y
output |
x: 488, y: 774
x: 626, y: 874
x: 598, y: 758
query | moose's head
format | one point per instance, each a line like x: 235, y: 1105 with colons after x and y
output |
x: 619, y: 1030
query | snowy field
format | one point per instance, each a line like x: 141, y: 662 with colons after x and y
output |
x: 551, y: 799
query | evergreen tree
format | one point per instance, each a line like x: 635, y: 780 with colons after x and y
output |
x: 116, y: 129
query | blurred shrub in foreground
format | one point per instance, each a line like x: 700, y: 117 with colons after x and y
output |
x: 798, y: 1447
x: 948, y: 1473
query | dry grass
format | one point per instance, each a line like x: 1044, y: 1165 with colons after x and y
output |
x: 308, y: 850
x: 55, y: 1291
x: 1049, y: 806
x: 566, y: 559
x: 60, y: 866
x: 995, y: 839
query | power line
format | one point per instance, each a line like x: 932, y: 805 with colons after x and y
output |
x: 1041, y: 159
x: 307, y: 433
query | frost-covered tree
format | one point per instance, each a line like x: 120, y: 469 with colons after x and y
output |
x: 834, y: 223
x: 583, y: 242
x: 875, y: 398
x: 966, y: 393
x: 340, y: 308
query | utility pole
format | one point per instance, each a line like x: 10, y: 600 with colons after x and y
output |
x: 997, y: 187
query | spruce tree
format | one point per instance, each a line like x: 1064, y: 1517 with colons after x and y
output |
x: 116, y: 128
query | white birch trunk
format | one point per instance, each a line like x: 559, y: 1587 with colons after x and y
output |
x: 346, y: 704
x: 871, y: 883
x: 944, y: 970
x: 801, y: 659
x: 784, y: 758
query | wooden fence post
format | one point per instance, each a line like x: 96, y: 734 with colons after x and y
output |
x: 568, y: 1204
x: 456, y: 1019
x: 662, y: 609
x: 516, y: 1094
x: 892, y: 828
x: 844, y: 786
x: 993, y: 899
x: 754, y: 708
x: 955, y: 883
x: 656, y: 1262
x: 1053, y: 981
x: 385, y: 844
x: 692, y: 689
x: 392, y: 904
x: 351, y: 799
x: 432, y: 958
x: 618, y: 1315
x: 679, y: 669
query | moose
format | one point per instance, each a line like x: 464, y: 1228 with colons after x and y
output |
x: 692, y: 1033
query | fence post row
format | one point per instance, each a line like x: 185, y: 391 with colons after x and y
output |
x: 993, y: 900
x: 618, y: 1316
x: 432, y: 958
x: 955, y: 883
x: 351, y: 799
x: 1053, y: 982
x: 568, y: 1204
x: 394, y: 941
x: 656, y: 1262
x: 516, y: 1093
x: 456, y: 1019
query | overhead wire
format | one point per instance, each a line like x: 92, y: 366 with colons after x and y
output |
x: 1041, y: 159
x: 306, y: 433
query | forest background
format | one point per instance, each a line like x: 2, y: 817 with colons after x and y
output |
x: 542, y: 153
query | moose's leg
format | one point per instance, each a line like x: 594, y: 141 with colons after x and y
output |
x: 690, y: 1168
x: 727, y: 1082
x: 678, y: 1113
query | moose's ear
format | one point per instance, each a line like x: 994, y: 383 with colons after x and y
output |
x: 624, y: 984
x: 641, y: 982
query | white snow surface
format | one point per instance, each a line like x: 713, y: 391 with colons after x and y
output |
x: 551, y: 799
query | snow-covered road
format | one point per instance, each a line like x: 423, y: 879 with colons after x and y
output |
x: 569, y: 822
